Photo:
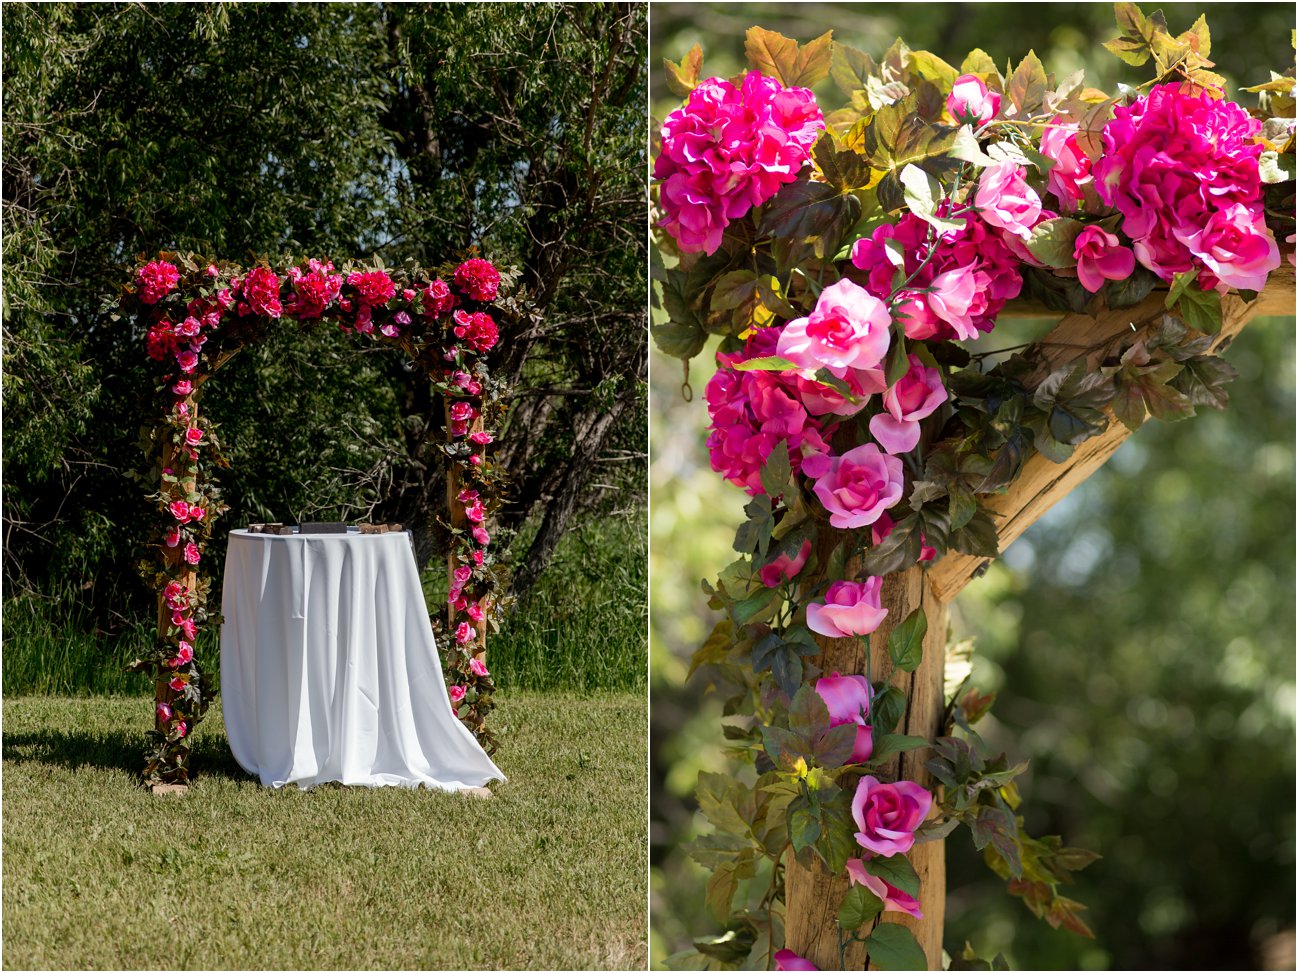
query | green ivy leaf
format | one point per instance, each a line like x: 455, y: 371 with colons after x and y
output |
x: 782, y: 58
x: 893, y: 947
x: 860, y: 905
x: 906, y: 641
x: 897, y: 871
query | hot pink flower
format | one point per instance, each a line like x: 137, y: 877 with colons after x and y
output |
x: 848, y: 700
x: 478, y: 278
x: 192, y: 553
x: 463, y: 573
x: 478, y: 668
x: 1072, y: 169
x: 480, y: 437
x: 787, y: 959
x: 970, y: 103
x: 315, y: 291
x: 156, y: 280
x: 193, y: 435
x: 1235, y: 246
x: 187, y: 361
x: 184, y: 654
x: 1172, y: 159
x: 173, y: 537
x: 951, y: 298
x: 164, y: 712
x: 730, y: 149
x: 857, y: 487
x: 188, y: 328
x: 475, y: 512
x: 917, y: 394
x: 474, y: 612
x: 851, y: 608
x: 847, y: 329
x: 183, y: 387
x: 888, y: 814
x: 894, y: 899
x: 478, y: 558
x: 457, y: 695
x: 1101, y: 257
x: 181, y: 728
x: 461, y: 411
x: 179, y: 509
x: 912, y: 311
x: 464, y: 633
x: 481, y: 536
x: 482, y: 334
x: 438, y: 298
x: 177, y: 684
x: 261, y: 290
x: 375, y: 287
x: 1005, y: 200
x: 784, y: 567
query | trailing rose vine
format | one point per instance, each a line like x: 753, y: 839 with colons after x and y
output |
x: 196, y: 314
x: 850, y: 260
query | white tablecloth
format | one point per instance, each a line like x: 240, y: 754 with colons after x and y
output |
x: 329, y: 671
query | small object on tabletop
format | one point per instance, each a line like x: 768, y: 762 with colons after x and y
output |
x: 264, y: 528
x: 322, y: 528
x: 380, y: 528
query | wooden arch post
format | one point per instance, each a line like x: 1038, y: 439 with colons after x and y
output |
x: 813, y: 895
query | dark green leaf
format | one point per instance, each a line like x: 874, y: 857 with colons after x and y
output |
x: 887, y: 709
x: 893, y: 947
x: 897, y: 871
x: 906, y: 641
x: 860, y: 905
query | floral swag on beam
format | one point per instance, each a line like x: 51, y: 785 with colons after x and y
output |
x: 850, y: 260
x: 196, y: 315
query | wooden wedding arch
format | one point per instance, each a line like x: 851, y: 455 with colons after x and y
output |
x: 813, y: 895
x: 442, y: 320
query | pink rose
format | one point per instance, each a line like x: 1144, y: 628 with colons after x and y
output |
x: 1101, y: 257
x: 481, y: 536
x: 181, y: 728
x: 180, y: 510
x: 784, y: 567
x: 848, y: 700
x: 183, y: 387
x: 474, y: 612
x: 374, y: 286
x: 970, y: 103
x: 1072, y: 169
x: 1236, y: 246
x: 463, y: 573
x: 888, y: 814
x: 464, y: 633
x: 951, y: 298
x: 478, y: 668
x: 187, y: 361
x: 177, y: 684
x: 857, y: 487
x: 461, y: 411
x: 189, y: 328
x: 1005, y: 200
x: 478, y: 558
x: 186, y: 626
x: 847, y: 329
x: 437, y: 298
x: 193, y: 435
x: 261, y: 289
x: 787, y: 959
x: 916, y: 317
x: 894, y: 899
x: 164, y: 712
x: 916, y: 395
x: 173, y: 537
x: 850, y: 608
x: 457, y: 695
x: 481, y: 438
x: 184, y: 653
x: 191, y: 553
x: 475, y: 512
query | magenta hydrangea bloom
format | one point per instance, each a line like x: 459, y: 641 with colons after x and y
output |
x: 1176, y: 163
x: 156, y: 280
x: 478, y: 278
x: 729, y: 149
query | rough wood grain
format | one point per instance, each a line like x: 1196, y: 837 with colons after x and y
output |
x: 1042, y: 483
x: 813, y: 896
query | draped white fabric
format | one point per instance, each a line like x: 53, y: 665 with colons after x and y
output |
x: 329, y: 671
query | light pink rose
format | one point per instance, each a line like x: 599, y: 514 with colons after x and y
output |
x: 183, y: 387
x: 478, y: 668
x: 463, y: 573
x: 847, y: 329
x: 192, y: 553
x: 474, y: 612
x: 457, y: 695
x: 888, y: 814
x: 787, y: 959
x: 1236, y: 246
x: 1101, y: 257
x: 184, y: 653
x: 915, y: 315
x: 951, y: 299
x: 481, y: 536
x: 916, y: 395
x: 848, y: 700
x: 970, y: 103
x: 857, y: 487
x: 894, y: 899
x: 1005, y: 200
x: 1072, y: 169
x: 193, y: 435
x: 784, y: 567
x: 187, y: 361
x: 851, y: 608
x: 464, y: 633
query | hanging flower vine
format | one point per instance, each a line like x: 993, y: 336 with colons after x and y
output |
x: 850, y: 260
x: 196, y: 314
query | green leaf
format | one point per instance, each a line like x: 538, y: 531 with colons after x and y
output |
x: 860, y: 905
x: 893, y: 947
x: 886, y: 710
x: 922, y: 194
x: 1201, y: 309
x: 897, y: 871
x: 1052, y: 242
x: 930, y: 67
x: 680, y: 339
x: 967, y: 149
x: 684, y: 77
x: 767, y: 363
x: 781, y: 57
x: 887, y: 744
x: 898, y: 362
x: 811, y: 213
x: 717, y: 646
x: 851, y: 69
x: 840, y: 164
x: 1026, y: 88
x: 754, y: 533
x: 906, y: 641
x: 1201, y: 379
x: 777, y: 471
x: 722, y: 884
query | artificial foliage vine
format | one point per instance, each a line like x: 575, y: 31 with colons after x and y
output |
x: 849, y: 260
x: 195, y: 315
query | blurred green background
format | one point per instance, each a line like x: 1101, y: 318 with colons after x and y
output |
x: 1141, y: 636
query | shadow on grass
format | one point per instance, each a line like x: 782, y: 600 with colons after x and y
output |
x: 113, y: 751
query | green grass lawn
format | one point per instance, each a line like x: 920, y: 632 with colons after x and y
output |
x: 100, y: 874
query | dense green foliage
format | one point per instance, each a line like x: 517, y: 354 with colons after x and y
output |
x: 99, y: 874
x: 337, y: 130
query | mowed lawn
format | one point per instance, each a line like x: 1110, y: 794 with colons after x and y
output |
x: 549, y: 874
